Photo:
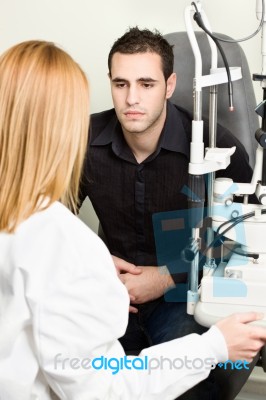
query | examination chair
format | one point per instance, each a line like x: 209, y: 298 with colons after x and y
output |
x: 243, y: 122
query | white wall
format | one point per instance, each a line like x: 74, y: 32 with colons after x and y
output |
x: 87, y: 29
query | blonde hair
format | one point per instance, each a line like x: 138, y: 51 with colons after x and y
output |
x: 44, y: 116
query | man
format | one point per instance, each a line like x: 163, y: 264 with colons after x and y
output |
x: 137, y: 167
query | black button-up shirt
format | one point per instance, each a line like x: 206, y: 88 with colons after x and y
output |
x: 126, y: 194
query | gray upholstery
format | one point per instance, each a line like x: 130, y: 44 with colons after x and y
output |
x: 243, y: 122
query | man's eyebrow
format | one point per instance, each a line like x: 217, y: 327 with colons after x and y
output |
x: 118, y: 79
x: 143, y: 79
x: 146, y: 79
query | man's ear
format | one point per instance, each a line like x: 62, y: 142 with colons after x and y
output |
x: 170, y: 85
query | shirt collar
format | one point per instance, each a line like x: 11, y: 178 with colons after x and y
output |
x: 173, y: 137
x: 109, y: 133
x: 113, y: 134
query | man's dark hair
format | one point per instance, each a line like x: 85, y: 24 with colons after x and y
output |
x: 136, y: 40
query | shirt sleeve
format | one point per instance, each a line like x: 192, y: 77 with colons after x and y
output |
x: 80, y: 314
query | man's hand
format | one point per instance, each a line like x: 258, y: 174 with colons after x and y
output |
x: 143, y: 283
x: 243, y: 339
x: 149, y: 285
x: 123, y: 267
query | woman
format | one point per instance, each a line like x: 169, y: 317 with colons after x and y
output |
x: 62, y: 307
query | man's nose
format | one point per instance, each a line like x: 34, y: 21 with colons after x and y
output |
x: 133, y: 95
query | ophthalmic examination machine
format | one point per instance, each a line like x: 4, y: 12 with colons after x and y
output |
x: 238, y: 282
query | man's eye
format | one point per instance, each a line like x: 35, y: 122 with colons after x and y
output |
x: 147, y: 85
x: 120, y: 85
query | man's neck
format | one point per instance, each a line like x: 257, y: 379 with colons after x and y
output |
x: 143, y: 144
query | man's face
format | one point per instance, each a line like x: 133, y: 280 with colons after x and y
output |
x: 139, y: 91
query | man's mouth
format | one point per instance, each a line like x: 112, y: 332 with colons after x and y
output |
x: 133, y: 114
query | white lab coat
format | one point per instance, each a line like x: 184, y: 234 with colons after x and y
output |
x: 60, y: 297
